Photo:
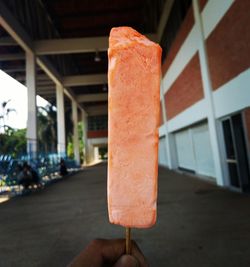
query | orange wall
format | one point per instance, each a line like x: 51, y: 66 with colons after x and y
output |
x: 228, y: 46
x: 97, y: 134
x: 179, y: 39
x: 202, y: 4
x: 186, y: 90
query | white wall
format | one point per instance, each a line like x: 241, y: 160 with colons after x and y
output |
x: 93, y: 151
x: 191, y: 115
x: 233, y: 96
x: 162, y: 153
x: 202, y: 150
x: 218, y: 9
x: 192, y: 146
x: 193, y: 149
x: 184, y: 149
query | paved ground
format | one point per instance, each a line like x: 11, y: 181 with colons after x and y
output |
x: 198, y: 224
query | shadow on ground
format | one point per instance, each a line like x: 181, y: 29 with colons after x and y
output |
x: 198, y: 223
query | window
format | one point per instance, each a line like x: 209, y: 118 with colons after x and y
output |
x: 176, y: 17
x: 96, y: 123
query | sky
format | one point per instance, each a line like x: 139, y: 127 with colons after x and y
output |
x: 17, y: 93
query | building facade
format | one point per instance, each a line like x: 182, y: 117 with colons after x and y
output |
x: 205, y: 93
x: 97, y: 136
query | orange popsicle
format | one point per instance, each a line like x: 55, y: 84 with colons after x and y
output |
x: 134, y: 107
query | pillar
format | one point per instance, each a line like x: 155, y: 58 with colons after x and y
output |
x: 75, y: 133
x: 96, y: 153
x: 85, y: 137
x: 31, y: 134
x: 61, y: 140
x: 208, y: 93
x: 169, y: 138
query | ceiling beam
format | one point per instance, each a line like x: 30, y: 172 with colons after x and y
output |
x: 11, y: 57
x: 46, y: 88
x: 46, y: 92
x: 39, y: 77
x: 39, y: 82
x: 92, y: 98
x: 18, y: 33
x: 14, y: 69
x: 164, y: 18
x: 7, y: 41
x: 13, y: 27
x: 15, y: 30
x: 45, y: 84
x: 97, y: 110
x: 49, y: 69
x: 79, y: 80
x: 69, y: 46
x: 74, y: 45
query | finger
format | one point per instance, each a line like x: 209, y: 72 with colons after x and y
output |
x: 127, y: 261
x: 136, y: 252
x: 112, y: 250
x: 99, y: 252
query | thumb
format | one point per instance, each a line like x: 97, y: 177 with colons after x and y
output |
x: 127, y: 261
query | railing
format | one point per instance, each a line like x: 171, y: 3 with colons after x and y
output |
x: 46, y: 168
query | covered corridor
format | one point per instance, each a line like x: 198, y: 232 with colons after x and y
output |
x: 58, y: 49
x: 199, y: 224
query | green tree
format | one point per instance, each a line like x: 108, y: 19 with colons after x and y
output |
x: 4, y: 113
x: 13, y: 142
x: 68, y: 125
x: 70, y: 146
x: 70, y: 149
x: 69, y: 132
x: 47, y: 128
x: 81, y: 143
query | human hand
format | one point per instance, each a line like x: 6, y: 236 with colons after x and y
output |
x: 109, y: 253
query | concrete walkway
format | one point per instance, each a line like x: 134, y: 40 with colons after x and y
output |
x: 198, y: 223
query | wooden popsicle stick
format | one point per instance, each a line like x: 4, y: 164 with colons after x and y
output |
x: 128, y: 240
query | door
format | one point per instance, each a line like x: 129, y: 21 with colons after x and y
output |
x: 162, y: 151
x: 185, y: 151
x: 202, y: 150
x: 236, y: 152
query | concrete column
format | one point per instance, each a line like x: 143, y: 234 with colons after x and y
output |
x: 96, y: 153
x: 75, y: 132
x: 169, y: 138
x: 61, y: 143
x: 31, y: 134
x: 91, y: 152
x: 85, y: 137
x: 208, y: 93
